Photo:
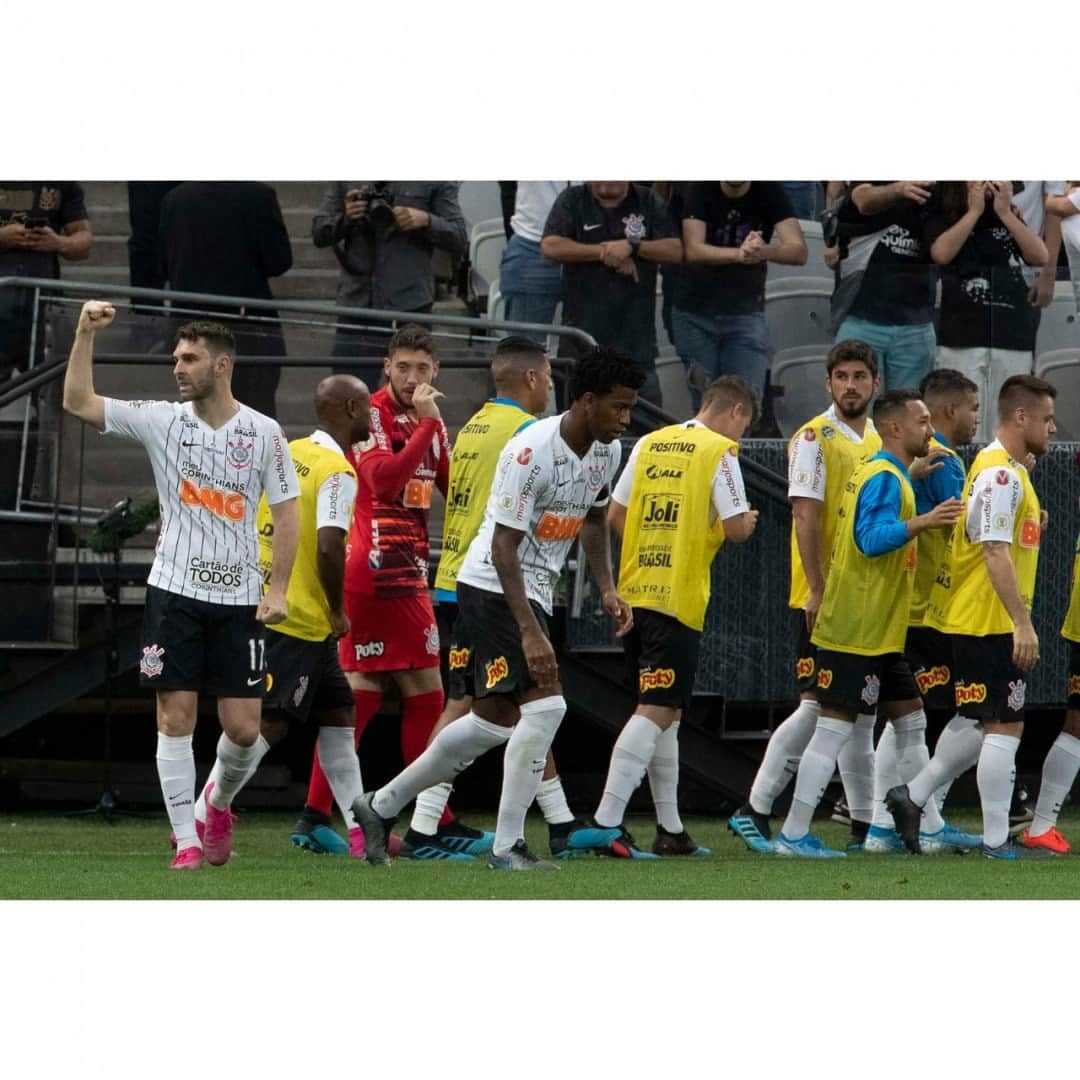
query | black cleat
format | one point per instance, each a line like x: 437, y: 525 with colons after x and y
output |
x: 1012, y: 850
x: 580, y: 837
x: 906, y: 815
x: 1021, y: 812
x: 376, y: 829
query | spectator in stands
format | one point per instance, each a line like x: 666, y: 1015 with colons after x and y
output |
x: 384, y: 233
x: 987, y: 331
x: 531, y: 285
x: 807, y: 198
x: 1030, y: 202
x: 1067, y: 207
x: 728, y: 229
x: 885, y: 287
x: 144, y: 244
x: 610, y: 235
x: 41, y: 222
x: 228, y: 239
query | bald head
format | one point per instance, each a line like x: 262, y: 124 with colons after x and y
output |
x: 334, y: 392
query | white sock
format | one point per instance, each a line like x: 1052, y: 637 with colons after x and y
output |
x: 912, y: 757
x: 238, y: 764
x: 341, y: 767
x: 815, y: 771
x: 176, y: 771
x: 856, y: 764
x: 885, y: 777
x: 430, y: 804
x: 786, y: 746
x: 633, y: 751
x: 552, y: 802
x: 953, y: 756
x: 454, y: 749
x: 523, y: 766
x: 996, y: 776
x: 215, y: 778
x: 1058, y: 774
x: 664, y: 780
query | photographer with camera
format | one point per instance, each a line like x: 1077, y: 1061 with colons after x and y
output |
x: 384, y: 233
x: 987, y: 328
x: 884, y: 291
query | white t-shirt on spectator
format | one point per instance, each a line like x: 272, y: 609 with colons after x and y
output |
x: 1031, y: 202
x: 532, y: 204
x: 208, y: 483
x: 1070, y: 236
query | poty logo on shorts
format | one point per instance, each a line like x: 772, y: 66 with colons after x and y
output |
x: 1017, y: 693
x: 656, y: 679
x: 431, y: 640
x: 824, y: 679
x: 871, y: 691
x: 804, y: 667
x: 497, y: 670
x: 938, y: 675
x: 364, y: 649
x: 150, y: 664
x: 970, y: 693
x: 459, y: 658
x: 1074, y: 685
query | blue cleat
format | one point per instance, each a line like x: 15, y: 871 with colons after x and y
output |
x: 806, y: 847
x: 579, y: 838
x: 1012, y: 850
x: 624, y: 846
x: 313, y: 833
x: 883, y: 841
x: 461, y: 838
x: 437, y: 848
x: 949, y: 840
x: 752, y: 828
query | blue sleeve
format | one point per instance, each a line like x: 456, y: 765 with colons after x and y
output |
x: 878, y: 528
x: 944, y: 483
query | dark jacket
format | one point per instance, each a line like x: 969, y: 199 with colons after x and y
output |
x: 391, y: 269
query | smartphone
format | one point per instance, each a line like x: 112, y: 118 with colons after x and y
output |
x: 36, y: 221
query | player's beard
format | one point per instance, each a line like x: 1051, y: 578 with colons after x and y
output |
x: 851, y: 411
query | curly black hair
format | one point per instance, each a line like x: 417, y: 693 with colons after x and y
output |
x: 601, y: 370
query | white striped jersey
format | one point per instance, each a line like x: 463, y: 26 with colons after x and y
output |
x: 208, y: 483
x: 545, y: 490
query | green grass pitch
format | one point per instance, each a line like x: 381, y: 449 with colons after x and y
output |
x: 44, y: 857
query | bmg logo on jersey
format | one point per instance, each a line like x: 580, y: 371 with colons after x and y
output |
x: 555, y: 527
x: 226, y: 505
x: 496, y: 670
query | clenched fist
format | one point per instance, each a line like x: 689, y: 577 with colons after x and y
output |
x: 95, y: 315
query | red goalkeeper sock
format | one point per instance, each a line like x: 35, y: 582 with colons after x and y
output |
x: 319, y: 796
x: 419, y: 714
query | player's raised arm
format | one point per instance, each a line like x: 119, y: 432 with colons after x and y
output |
x: 80, y: 398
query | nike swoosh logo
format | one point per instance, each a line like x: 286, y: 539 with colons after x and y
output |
x: 255, y: 682
x: 589, y: 228
x: 187, y: 444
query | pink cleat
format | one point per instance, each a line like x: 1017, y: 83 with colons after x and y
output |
x: 217, y: 839
x: 358, y: 845
x: 191, y: 858
x: 200, y: 829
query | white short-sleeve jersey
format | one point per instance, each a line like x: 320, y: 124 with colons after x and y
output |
x: 545, y: 490
x: 807, y: 461
x: 728, y: 489
x: 208, y: 483
x: 991, y: 510
x: 337, y: 493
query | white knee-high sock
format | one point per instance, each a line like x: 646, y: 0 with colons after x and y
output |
x: 785, y: 748
x: 630, y: 757
x: 913, y: 756
x: 523, y: 766
x: 815, y: 771
x: 215, y: 777
x: 551, y: 799
x: 430, y: 804
x: 1058, y: 775
x: 664, y: 779
x: 454, y: 749
x: 341, y: 767
x: 996, y: 776
x: 953, y: 756
x: 856, y: 764
x: 885, y: 776
x: 176, y: 772
x: 238, y: 763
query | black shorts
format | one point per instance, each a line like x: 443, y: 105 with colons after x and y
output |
x: 930, y: 654
x: 195, y: 645
x: 496, y: 661
x: 459, y: 680
x: 304, y: 677
x: 856, y: 684
x: 661, y: 657
x: 805, y: 662
x: 1072, y: 689
x: 989, y: 686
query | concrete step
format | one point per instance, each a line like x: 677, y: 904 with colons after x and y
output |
x: 110, y: 249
